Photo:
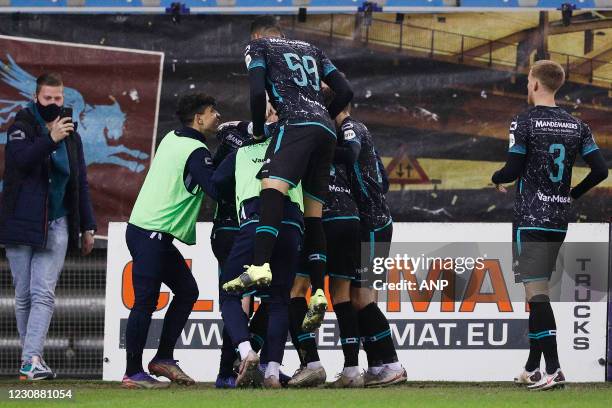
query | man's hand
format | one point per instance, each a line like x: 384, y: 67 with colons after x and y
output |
x: 61, y: 128
x: 501, y: 188
x: 254, y: 140
x: 87, y: 242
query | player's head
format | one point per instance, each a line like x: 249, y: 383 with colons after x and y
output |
x: 198, y: 111
x: 545, y: 78
x: 265, y: 26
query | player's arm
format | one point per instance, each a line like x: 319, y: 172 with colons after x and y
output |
x: 224, y: 177
x: 516, y: 157
x: 349, y: 146
x: 257, y: 82
x: 515, y: 162
x: 594, y: 159
x: 598, y: 173
x: 343, y: 94
x: 222, y: 151
x: 347, y: 153
x: 254, y: 57
x: 198, y: 172
x: 383, y: 174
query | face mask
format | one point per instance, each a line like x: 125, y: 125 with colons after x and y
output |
x: 48, y: 113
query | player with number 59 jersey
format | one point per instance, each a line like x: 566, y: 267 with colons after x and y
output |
x: 294, y: 71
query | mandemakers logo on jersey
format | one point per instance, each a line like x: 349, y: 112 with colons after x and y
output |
x: 555, y: 124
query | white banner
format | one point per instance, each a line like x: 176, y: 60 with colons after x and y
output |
x: 478, y: 335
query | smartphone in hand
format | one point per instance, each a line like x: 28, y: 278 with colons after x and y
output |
x: 66, y: 112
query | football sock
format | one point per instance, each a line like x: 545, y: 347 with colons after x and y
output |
x: 272, y: 370
x: 244, y: 348
x: 351, y: 371
x: 394, y: 366
x: 545, y: 331
x: 315, y: 247
x: 306, y: 345
x: 270, y: 218
x: 349, y: 332
x: 535, y: 352
x: 374, y: 329
x: 313, y: 365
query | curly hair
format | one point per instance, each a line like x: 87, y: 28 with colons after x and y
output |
x: 191, y: 104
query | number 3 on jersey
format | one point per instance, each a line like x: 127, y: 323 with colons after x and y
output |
x: 305, y: 65
x: 557, y: 148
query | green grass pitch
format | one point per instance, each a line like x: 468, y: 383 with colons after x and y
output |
x: 448, y: 395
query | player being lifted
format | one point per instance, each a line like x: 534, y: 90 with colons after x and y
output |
x: 236, y: 176
x: 291, y: 72
x: 544, y: 143
x: 342, y: 229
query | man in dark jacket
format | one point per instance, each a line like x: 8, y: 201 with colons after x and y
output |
x: 45, y: 209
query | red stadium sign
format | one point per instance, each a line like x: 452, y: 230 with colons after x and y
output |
x: 115, y: 96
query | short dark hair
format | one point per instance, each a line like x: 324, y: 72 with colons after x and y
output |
x: 549, y: 73
x: 191, y: 104
x: 265, y: 25
x: 48, y: 79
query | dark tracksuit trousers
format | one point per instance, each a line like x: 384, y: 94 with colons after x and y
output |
x: 284, y: 264
x: 221, y: 241
x: 155, y: 261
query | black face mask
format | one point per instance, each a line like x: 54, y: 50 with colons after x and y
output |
x: 48, y: 113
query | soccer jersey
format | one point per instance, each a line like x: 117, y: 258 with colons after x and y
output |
x: 339, y: 203
x: 231, y: 136
x: 551, y: 139
x: 294, y: 70
x: 367, y: 177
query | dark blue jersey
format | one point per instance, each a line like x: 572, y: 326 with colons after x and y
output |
x: 367, y: 179
x: 551, y: 139
x: 339, y: 203
x: 294, y: 70
x: 231, y: 136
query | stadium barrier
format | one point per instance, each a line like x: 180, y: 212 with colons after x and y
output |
x: 75, y: 341
x: 483, y: 324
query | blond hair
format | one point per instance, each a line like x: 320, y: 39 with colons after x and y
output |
x: 550, y: 74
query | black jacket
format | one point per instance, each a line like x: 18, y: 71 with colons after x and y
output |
x: 24, y: 205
